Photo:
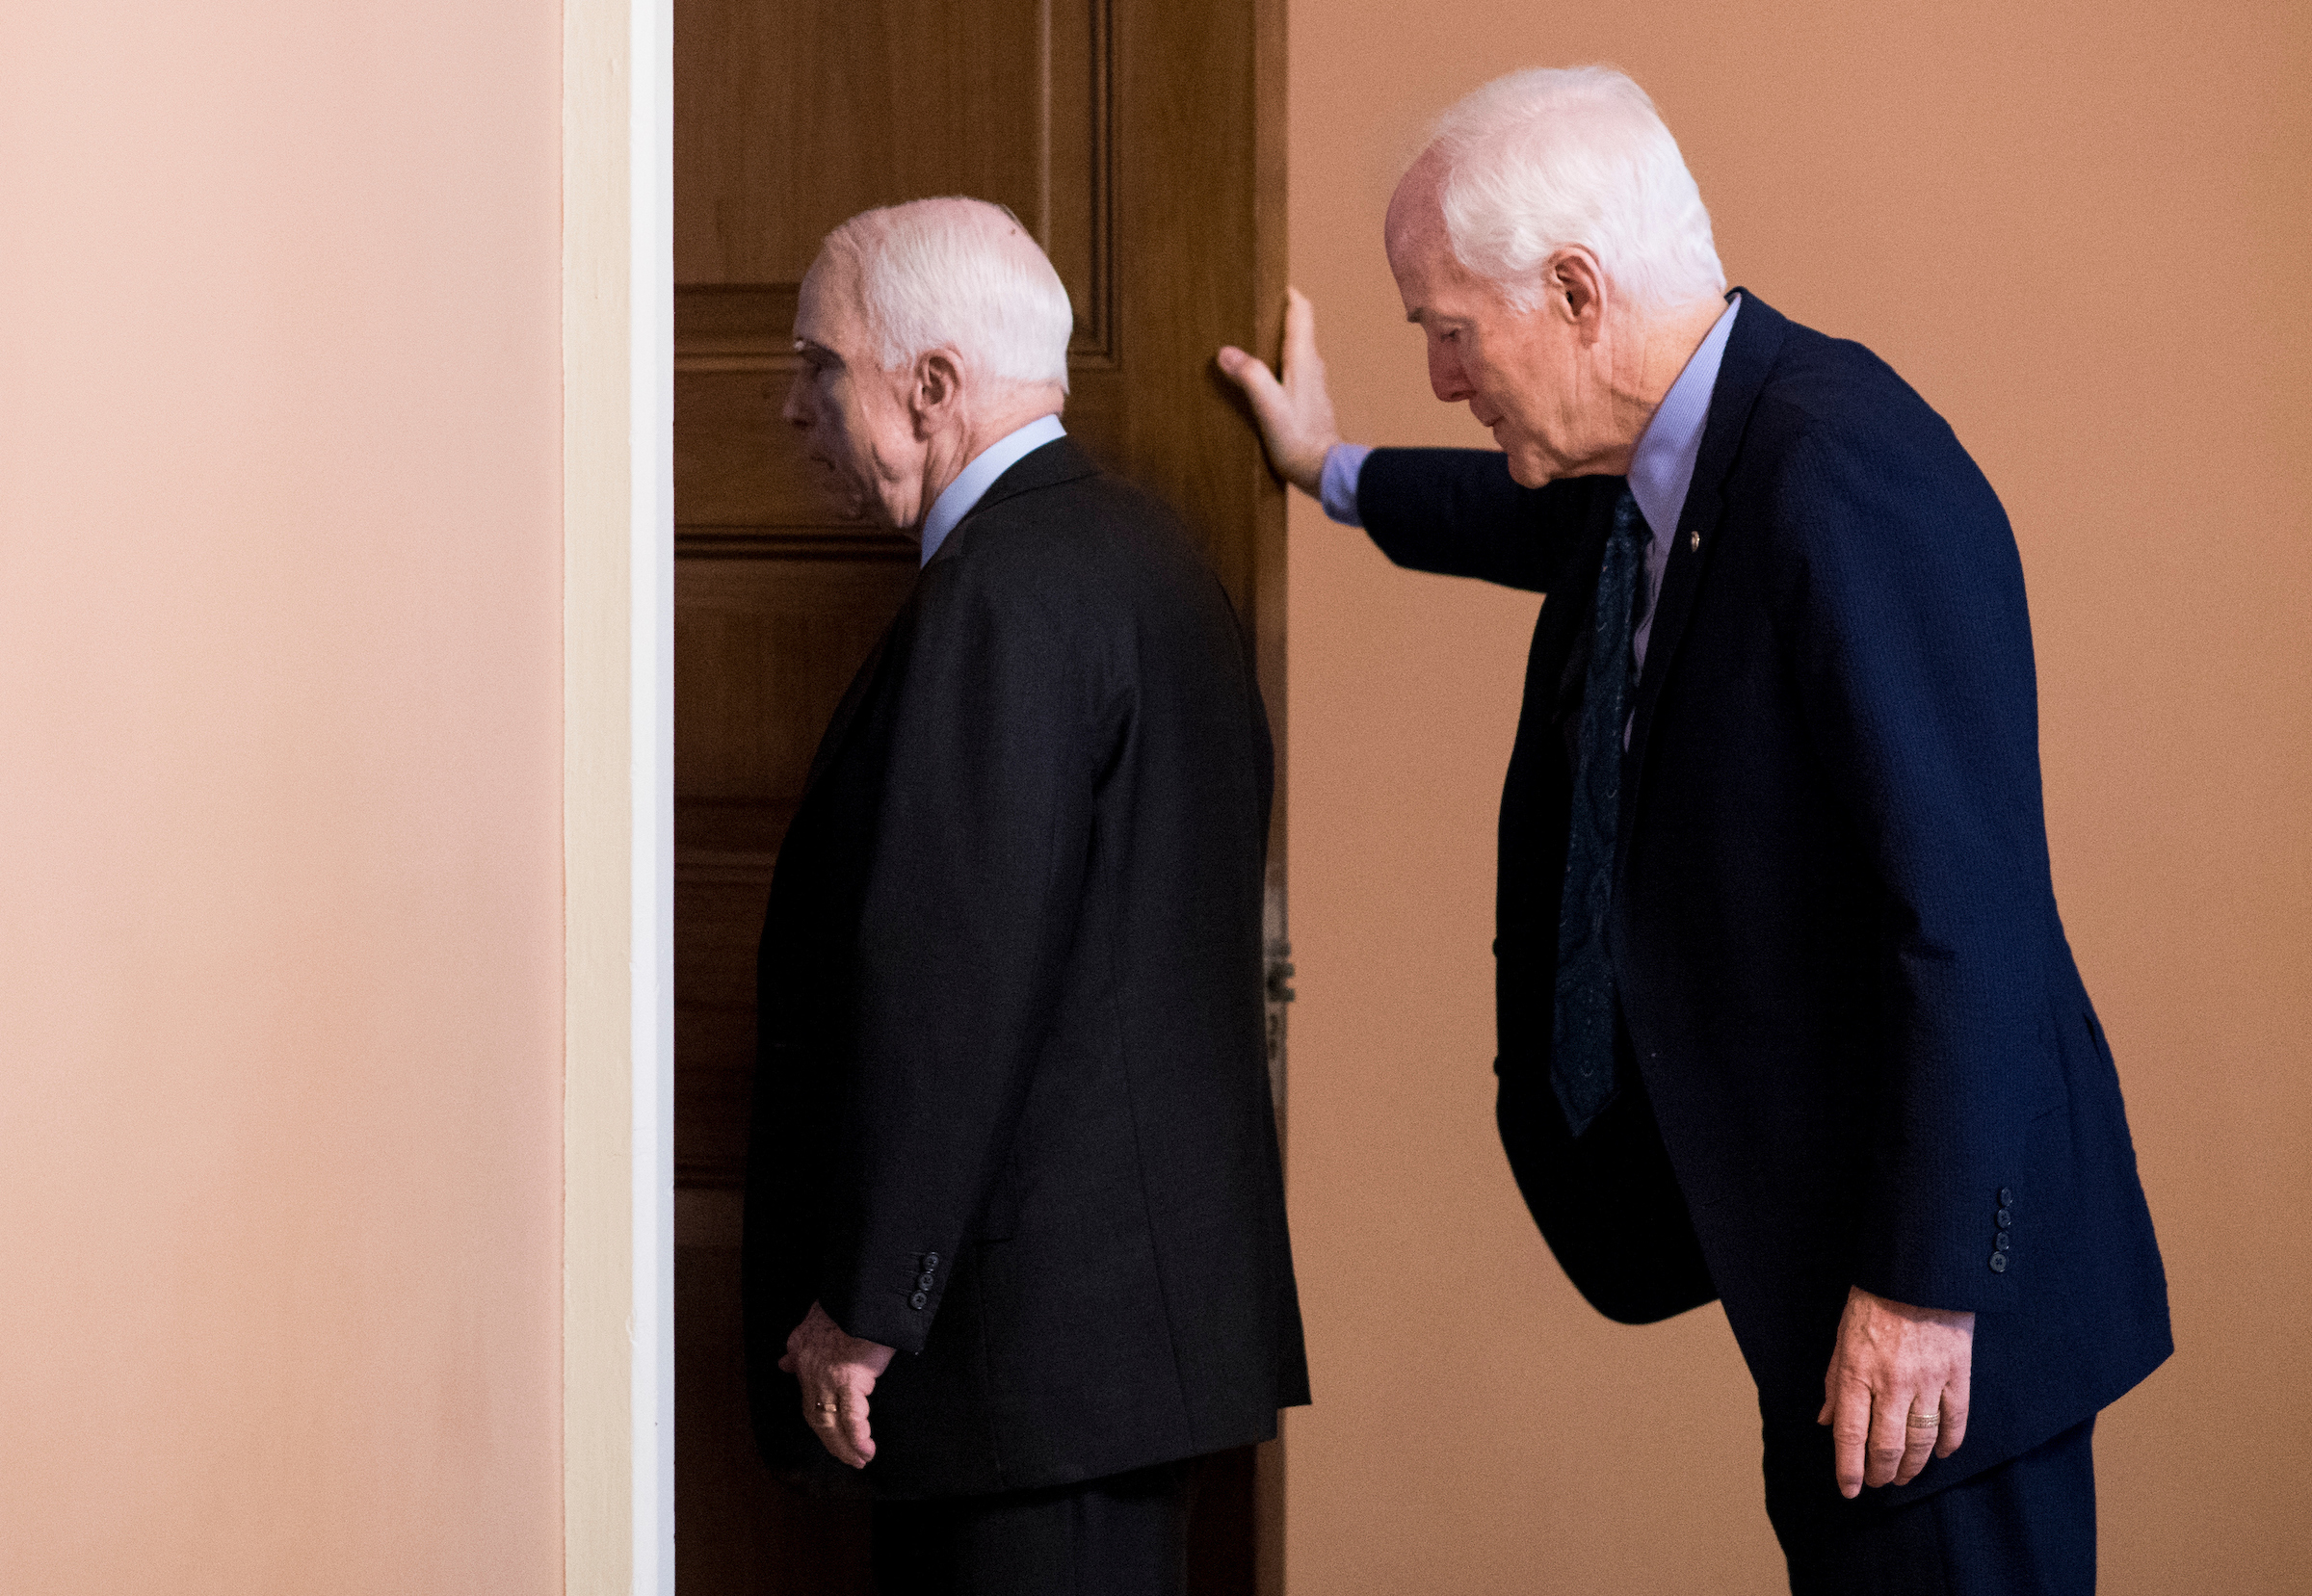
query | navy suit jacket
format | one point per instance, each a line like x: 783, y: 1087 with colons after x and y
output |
x: 1848, y: 1005
x: 1011, y: 1109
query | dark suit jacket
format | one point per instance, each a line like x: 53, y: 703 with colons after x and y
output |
x: 1011, y: 1112
x: 1847, y: 995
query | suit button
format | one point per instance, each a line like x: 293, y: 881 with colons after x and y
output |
x: 2006, y: 1219
x: 1998, y: 1263
x: 2001, y: 1242
x: 917, y: 1301
x: 930, y: 1260
x: 925, y: 1280
x: 2006, y: 1196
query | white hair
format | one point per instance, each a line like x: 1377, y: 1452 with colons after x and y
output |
x: 962, y: 274
x: 1558, y: 156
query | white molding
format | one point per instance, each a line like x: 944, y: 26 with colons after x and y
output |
x: 650, y: 169
x: 617, y: 798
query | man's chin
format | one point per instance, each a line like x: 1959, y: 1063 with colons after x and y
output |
x: 1528, y: 468
x: 849, y: 501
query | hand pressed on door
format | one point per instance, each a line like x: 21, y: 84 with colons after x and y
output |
x: 1292, y: 405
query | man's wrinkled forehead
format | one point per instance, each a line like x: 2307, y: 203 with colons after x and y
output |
x: 1420, y: 253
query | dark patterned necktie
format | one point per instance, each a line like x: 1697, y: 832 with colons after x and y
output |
x: 1581, y: 1066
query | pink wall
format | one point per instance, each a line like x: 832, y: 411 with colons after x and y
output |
x: 279, y: 825
x: 2081, y: 230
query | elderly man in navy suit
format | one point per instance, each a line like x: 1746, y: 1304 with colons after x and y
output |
x: 1787, y: 1016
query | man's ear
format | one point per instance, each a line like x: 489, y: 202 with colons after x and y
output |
x: 937, y: 390
x: 1573, y: 280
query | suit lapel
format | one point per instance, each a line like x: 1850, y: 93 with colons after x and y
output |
x: 1750, y: 350
x: 1058, y: 462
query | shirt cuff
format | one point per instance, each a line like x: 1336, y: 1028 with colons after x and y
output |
x: 1336, y: 484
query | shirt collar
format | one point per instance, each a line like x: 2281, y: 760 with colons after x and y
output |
x: 960, y: 497
x: 1661, y: 467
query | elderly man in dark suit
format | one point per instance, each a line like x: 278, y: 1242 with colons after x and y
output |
x: 1014, y: 1172
x: 1787, y: 1016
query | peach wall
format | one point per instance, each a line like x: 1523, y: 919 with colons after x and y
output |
x: 2081, y: 231
x: 279, y: 804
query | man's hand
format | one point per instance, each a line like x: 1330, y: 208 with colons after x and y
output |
x: 837, y: 1372
x: 1897, y: 1389
x: 1294, y: 414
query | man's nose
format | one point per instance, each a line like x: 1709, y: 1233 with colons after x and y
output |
x: 1445, y: 375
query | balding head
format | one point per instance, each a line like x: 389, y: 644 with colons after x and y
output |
x: 1554, y: 157
x: 956, y: 274
x: 1557, y: 257
x: 923, y: 333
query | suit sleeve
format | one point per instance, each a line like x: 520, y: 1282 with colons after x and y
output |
x: 1456, y: 513
x: 977, y: 873
x: 1912, y: 647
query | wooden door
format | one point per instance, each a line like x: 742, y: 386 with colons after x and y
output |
x: 1142, y: 141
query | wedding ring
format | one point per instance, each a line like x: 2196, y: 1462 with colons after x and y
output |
x: 1924, y: 1421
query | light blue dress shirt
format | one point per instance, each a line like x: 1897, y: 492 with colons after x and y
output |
x: 958, y: 499
x: 1661, y: 468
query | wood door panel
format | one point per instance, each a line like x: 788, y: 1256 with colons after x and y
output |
x: 792, y: 117
x: 722, y: 910
x: 766, y: 647
x: 719, y: 907
x: 1185, y: 435
x: 714, y: 1088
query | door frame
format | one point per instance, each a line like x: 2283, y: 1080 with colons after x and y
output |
x: 617, y: 339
